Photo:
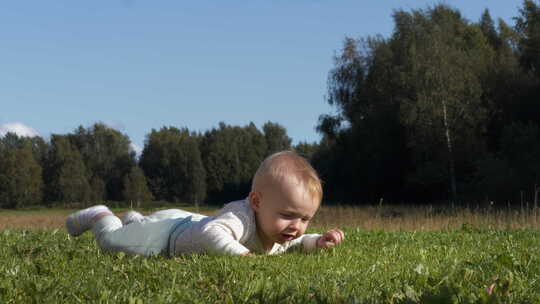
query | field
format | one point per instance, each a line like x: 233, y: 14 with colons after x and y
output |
x: 391, y: 255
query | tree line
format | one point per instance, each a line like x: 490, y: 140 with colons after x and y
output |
x: 445, y: 109
x: 97, y: 164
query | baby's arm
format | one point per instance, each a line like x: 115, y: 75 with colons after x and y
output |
x: 310, y: 242
x: 330, y: 238
x: 222, y: 235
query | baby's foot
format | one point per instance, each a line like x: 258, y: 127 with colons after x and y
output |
x: 79, y: 222
x: 131, y: 217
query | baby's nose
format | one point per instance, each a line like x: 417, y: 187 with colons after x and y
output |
x: 295, y: 224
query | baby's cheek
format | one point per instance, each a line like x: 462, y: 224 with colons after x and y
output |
x: 303, y: 228
x: 282, y: 223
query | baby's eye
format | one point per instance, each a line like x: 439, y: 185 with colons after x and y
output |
x: 287, y: 216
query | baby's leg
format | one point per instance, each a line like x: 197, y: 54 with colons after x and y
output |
x: 134, y: 216
x: 171, y: 214
x: 79, y: 222
x: 144, y: 238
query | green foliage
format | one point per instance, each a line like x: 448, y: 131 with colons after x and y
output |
x: 459, y: 266
x: 68, y: 179
x: 528, y: 27
x: 21, y: 179
x: 306, y: 150
x: 40, y: 148
x: 516, y: 166
x: 136, y: 187
x: 107, y: 155
x: 276, y: 138
x: 445, y: 116
x: 97, y: 164
x: 171, y: 160
x: 38, y: 145
x: 421, y: 114
x: 231, y: 155
x: 362, y: 155
x: 487, y: 26
x: 97, y: 185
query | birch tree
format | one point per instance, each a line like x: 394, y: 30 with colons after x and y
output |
x: 444, y: 114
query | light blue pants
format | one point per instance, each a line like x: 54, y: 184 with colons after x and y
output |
x: 148, y: 237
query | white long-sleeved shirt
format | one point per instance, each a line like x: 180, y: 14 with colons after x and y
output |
x: 233, y: 231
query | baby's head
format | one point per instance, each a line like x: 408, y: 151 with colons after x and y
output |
x: 285, y: 194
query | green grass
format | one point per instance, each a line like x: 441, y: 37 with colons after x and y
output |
x: 369, y: 267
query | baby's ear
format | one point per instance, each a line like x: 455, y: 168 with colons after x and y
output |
x: 254, y: 200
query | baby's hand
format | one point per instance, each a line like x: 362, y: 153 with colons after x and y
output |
x: 330, y: 238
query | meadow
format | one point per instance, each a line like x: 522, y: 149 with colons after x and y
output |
x: 391, y: 254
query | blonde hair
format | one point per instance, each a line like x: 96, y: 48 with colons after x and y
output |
x: 287, y: 164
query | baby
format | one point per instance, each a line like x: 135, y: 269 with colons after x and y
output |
x: 286, y: 193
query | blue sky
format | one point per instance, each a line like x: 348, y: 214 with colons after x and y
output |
x: 137, y: 65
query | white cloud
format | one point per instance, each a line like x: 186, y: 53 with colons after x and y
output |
x: 17, y: 128
x: 136, y: 148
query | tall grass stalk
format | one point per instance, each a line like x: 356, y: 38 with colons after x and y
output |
x: 368, y: 217
x: 427, y: 217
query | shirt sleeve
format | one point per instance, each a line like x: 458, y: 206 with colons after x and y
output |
x: 307, y: 242
x: 223, y: 234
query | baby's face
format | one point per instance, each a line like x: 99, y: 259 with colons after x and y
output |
x: 283, y: 212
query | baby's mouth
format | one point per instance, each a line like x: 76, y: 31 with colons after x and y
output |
x: 287, y: 237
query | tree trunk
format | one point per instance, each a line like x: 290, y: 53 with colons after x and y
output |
x: 536, y: 191
x: 451, y: 164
